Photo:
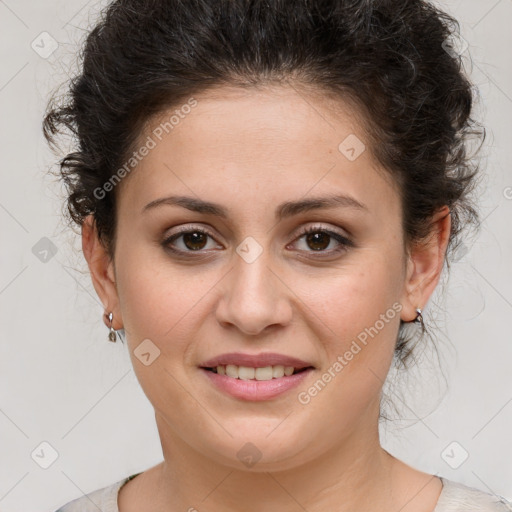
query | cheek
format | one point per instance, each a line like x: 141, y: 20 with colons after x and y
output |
x: 355, y: 297
x: 161, y: 301
x: 150, y: 295
x: 360, y: 314
x: 157, y: 303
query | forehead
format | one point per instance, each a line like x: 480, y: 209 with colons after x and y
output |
x: 245, y: 146
x: 277, y: 116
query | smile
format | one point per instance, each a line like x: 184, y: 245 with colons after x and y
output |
x: 260, y: 374
x: 255, y: 383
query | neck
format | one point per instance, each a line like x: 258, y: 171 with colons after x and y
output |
x: 356, y: 474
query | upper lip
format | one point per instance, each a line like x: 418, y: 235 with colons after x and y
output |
x: 255, y: 361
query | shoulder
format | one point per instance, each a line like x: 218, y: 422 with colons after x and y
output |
x: 457, y: 497
x: 104, y: 499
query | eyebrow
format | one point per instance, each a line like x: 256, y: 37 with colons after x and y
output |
x: 284, y: 210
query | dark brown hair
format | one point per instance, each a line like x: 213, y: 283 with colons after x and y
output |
x: 394, y: 58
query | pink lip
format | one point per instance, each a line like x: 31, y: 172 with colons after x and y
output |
x: 255, y: 361
x: 255, y: 390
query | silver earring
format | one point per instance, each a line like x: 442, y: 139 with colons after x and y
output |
x: 419, y: 318
x: 112, y: 334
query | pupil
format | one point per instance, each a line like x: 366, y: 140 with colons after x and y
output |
x: 190, y: 239
x: 316, y: 238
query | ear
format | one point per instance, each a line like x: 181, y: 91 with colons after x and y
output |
x: 425, y: 264
x: 102, y: 271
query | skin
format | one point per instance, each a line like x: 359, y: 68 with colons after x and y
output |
x: 251, y: 150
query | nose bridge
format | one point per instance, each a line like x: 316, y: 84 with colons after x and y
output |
x: 253, y: 298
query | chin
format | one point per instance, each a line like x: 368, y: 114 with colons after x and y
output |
x: 258, y: 451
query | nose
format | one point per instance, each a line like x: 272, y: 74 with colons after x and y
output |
x: 254, y: 297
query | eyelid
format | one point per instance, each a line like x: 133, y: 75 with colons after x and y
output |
x: 318, y: 227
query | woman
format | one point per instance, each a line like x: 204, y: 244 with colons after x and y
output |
x: 268, y: 193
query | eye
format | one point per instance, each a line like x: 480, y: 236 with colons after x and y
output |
x: 193, y: 240
x: 319, y: 239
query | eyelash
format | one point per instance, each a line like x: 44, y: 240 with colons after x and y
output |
x: 344, y: 242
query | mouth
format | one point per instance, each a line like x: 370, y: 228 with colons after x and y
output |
x: 256, y: 373
x: 255, y: 377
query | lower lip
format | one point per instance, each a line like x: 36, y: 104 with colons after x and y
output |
x: 256, y: 390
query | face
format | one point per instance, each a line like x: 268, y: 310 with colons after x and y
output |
x: 240, y: 283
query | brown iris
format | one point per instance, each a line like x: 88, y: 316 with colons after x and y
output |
x: 318, y: 241
x: 194, y: 240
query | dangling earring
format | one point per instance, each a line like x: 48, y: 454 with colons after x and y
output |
x: 112, y: 334
x: 419, y: 318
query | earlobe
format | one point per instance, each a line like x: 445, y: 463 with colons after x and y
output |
x: 101, y: 268
x: 425, y: 265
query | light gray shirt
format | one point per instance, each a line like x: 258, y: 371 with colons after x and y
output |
x: 455, y: 497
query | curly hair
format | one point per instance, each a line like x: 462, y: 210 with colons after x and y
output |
x: 394, y: 59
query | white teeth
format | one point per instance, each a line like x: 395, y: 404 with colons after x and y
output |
x: 248, y: 373
x: 277, y: 371
x: 232, y: 371
x: 263, y: 373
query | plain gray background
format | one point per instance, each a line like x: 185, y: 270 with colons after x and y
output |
x: 63, y: 384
